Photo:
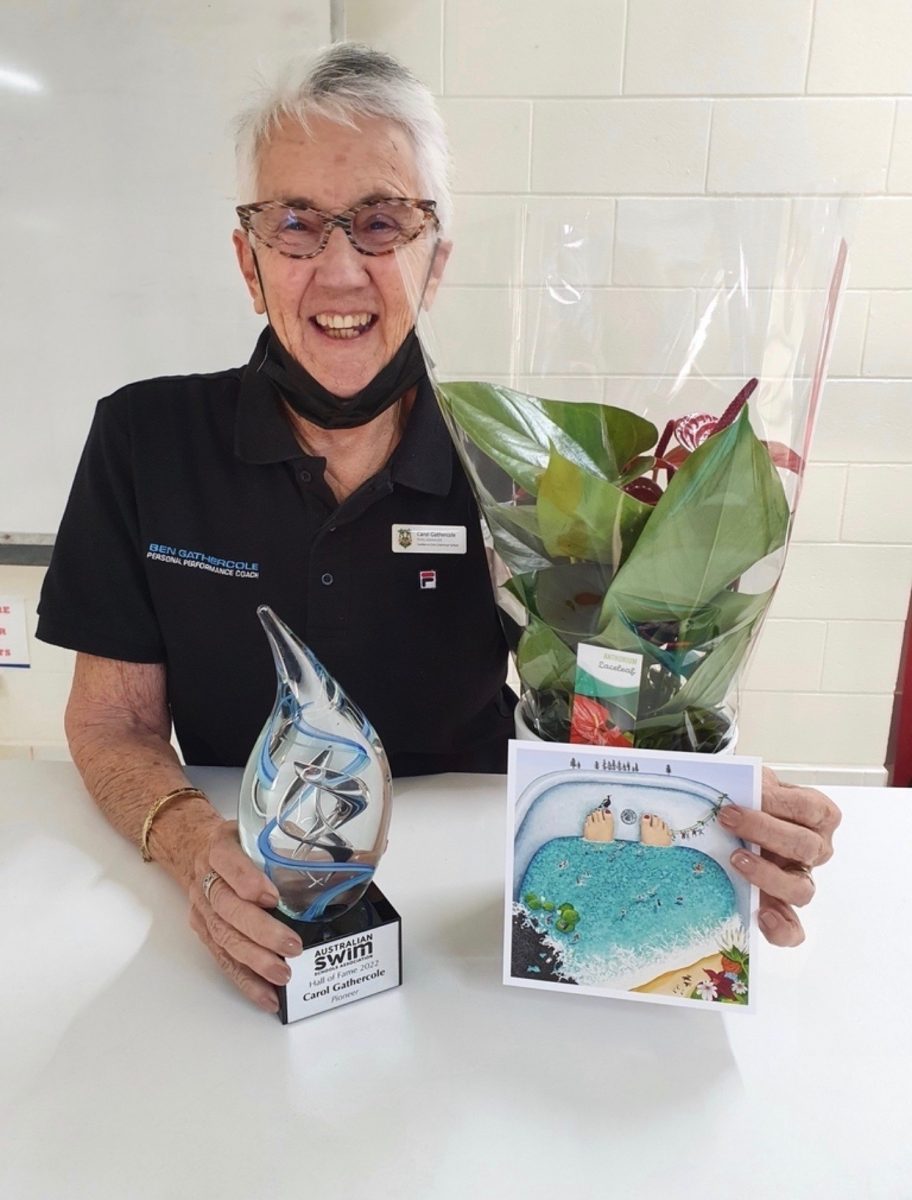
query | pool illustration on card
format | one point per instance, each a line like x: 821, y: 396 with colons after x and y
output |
x: 620, y: 873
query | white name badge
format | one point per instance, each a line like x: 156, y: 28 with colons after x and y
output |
x: 429, y: 539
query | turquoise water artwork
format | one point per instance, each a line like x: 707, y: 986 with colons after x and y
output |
x: 622, y: 881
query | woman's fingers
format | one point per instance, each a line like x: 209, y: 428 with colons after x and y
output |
x: 794, y: 831
x: 250, y: 920
x: 247, y: 942
x: 251, y: 985
x: 785, y: 881
x: 795, y: 842
x: 802, y: 806
x: 260, y: 960
x: 779, y: 922
x: 228, y: 859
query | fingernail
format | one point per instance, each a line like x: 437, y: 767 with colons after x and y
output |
x: 730, y: 815
x: 769, y: 921
x: 294, y: 946
x: 742, y: 861
x: 286, y: 974
x: 269, y: 1004
x: 268, y: 900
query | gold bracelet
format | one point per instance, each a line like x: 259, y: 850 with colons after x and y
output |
x: 155, y: 810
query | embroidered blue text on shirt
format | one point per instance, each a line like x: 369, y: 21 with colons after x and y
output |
x: 237, y: 568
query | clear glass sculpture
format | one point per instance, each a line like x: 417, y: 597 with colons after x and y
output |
x: 315, y: 799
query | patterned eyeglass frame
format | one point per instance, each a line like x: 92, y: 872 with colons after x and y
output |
x: 246, y: 213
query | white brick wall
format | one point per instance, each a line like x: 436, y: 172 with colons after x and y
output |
x: 508, y: 48
x: 617, y: 146
x: 800, y: 145
x: 654, y: 111
x: 861, y: 47
x: 900, y: 177
x: 705, y: 48
x: 667, y: 109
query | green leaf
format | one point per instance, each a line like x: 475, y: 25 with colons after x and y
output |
x: 502, y: 424
x: 567, y: 597
x: 637, y: 467
x: 723, y: 511
x: 708, y: 686
x: 581, y: 516
x: 514, y: 529
x: 543, y: 661
x: 516, y: 430
x: 609, y: 437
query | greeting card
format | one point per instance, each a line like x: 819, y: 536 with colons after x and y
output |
x: 619, y: 874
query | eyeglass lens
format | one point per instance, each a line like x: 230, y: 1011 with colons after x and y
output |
x: 375, y: 228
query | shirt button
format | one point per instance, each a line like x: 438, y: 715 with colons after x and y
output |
x: 326, y: 579
x: 305, y: 476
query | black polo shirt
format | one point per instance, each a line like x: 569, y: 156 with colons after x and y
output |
x: 193, y: 504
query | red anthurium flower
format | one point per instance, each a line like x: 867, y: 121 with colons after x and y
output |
x: 591, y: 725
x: 736, y: 405
x: 693, y: 431
x: 675, y: 457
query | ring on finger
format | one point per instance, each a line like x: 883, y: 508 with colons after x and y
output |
x: 799, y: 869
x: 208, y: 880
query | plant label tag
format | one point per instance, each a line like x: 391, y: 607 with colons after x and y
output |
x: 429, y: 539
x: 606, y: 696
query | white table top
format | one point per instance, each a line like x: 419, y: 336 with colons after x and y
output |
x: 130, y: 1070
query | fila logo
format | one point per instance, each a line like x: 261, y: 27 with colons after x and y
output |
x: 427, y: 579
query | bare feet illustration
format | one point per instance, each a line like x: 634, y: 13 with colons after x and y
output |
x: 599, y: 827
x: 654, y: 831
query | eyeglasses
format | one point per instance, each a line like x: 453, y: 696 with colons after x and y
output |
x: 374, y: 228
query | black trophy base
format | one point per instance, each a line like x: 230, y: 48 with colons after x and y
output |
x: 345, y: 958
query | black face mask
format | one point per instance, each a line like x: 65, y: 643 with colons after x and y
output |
x: 312, y: 401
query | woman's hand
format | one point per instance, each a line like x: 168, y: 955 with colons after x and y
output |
x: 794, y: 831
x: 247, y: 943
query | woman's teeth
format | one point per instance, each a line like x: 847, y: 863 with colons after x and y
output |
x: 351, y: 325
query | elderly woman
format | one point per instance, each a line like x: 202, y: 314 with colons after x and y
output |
x: 281, y: 483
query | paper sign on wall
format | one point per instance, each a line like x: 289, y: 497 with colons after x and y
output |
x: 14, y: 649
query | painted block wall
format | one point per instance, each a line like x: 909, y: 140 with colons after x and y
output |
x: 699, y: 100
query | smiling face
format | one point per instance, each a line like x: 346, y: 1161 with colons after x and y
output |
x: 333, y: 168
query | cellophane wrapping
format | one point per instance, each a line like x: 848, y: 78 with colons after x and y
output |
x: 632, y: 390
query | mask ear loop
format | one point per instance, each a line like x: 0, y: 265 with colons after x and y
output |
x: 421, y: 295
x: 256, y: 267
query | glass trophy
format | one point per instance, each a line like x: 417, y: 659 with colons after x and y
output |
x: 313, y: 815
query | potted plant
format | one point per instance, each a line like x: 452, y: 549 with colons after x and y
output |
x: 660, y: 542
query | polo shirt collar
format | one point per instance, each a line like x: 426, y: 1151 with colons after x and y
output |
x: 261, y: 433
x: 423, y: 460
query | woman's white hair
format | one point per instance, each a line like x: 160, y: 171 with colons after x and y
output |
x: 341, y: 83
